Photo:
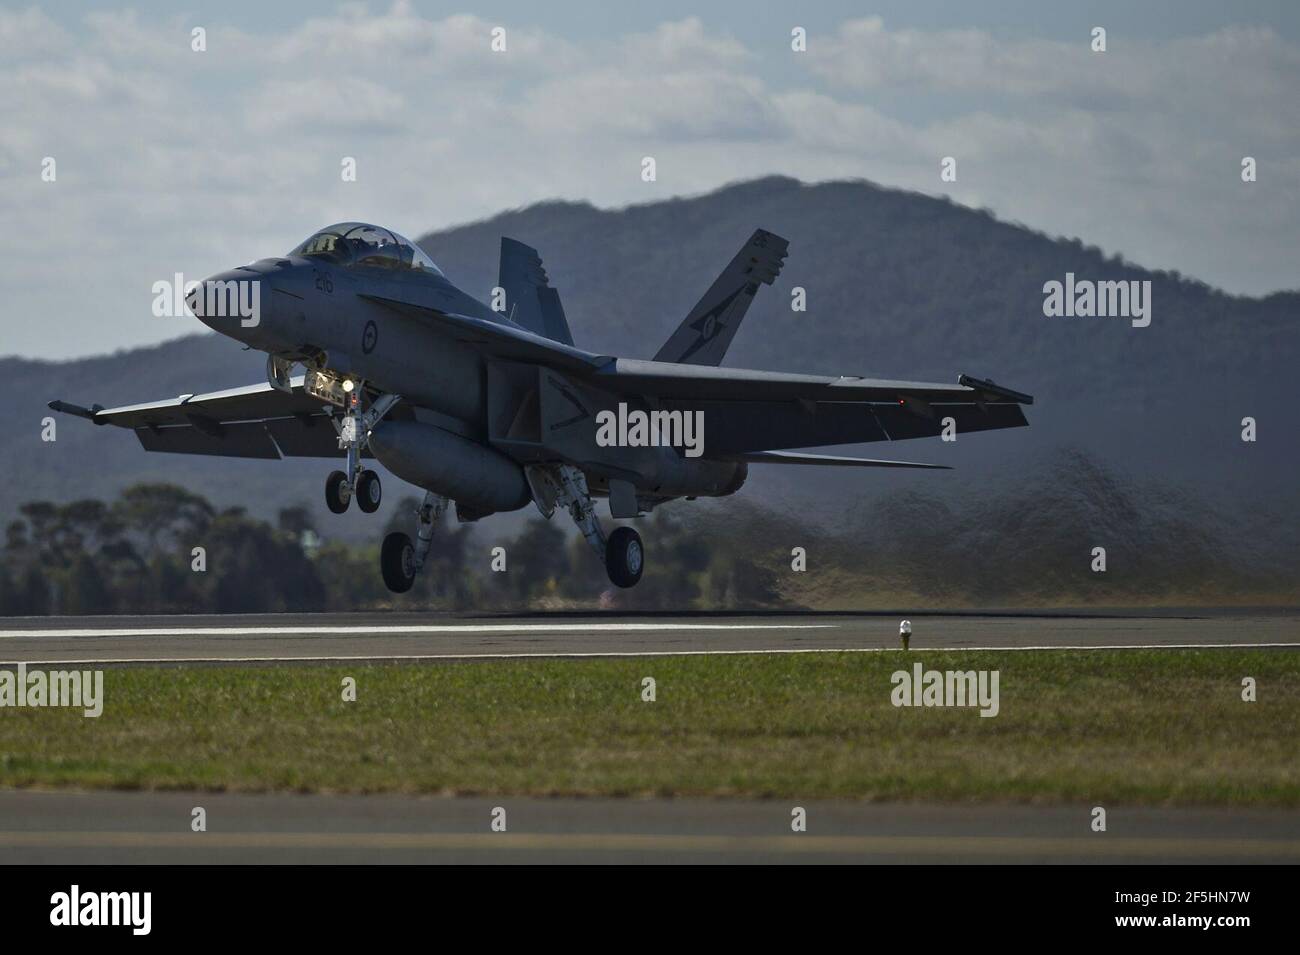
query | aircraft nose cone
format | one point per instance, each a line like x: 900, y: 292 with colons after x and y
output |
x: 229, y: 300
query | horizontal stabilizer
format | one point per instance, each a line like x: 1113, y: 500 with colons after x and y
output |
x: 791, y: 457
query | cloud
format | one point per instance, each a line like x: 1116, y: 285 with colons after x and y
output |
x: 174, y: 160
x: 1235, y: 73
x: 682, y: 45
x: 338, y: 104
x: 865, y: 55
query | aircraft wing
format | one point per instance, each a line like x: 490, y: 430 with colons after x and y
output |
x: 257, y: 421
x: 666, y: 380
x: 747, y: 411
x: 836, y: 460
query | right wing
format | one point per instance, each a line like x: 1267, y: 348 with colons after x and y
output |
x: 257, y: 421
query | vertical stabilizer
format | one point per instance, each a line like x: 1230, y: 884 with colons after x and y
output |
x: 530, y: 301
x: 706, y: 333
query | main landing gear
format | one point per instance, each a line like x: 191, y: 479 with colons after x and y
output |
x: 354, y: 431
x: 624, y: 557
x: 400, y: 559
x: 622, y: 551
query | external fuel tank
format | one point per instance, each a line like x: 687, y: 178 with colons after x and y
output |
x: 471, y: 474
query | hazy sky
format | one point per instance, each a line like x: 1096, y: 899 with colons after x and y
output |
x: 170, y: 160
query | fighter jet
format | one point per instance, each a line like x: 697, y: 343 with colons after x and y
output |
x: 372, y: 354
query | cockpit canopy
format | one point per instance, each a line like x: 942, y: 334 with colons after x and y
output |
x: 360, y: 244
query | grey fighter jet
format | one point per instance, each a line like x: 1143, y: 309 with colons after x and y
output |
x: 373, y: 354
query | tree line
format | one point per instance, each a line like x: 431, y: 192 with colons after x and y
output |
x: 161, y: 548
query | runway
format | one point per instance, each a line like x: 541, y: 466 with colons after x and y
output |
x: 154, y: 827
x: 151, y: 827
x: 286, y: 638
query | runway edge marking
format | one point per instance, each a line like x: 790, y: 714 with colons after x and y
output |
x: 416, y: 629
x: 586, y: 842
x: 577, y: 654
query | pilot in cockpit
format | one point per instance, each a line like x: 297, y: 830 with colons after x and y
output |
x: 367, y: 246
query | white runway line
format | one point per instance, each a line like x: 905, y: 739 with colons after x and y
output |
x: 579, y: 654
x: 403, y: 628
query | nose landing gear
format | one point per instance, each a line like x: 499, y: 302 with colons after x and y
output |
x: 338, y: 492
x: 354, y: 432
x: 369, y: 491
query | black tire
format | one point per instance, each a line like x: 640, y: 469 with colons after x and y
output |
x: 369, y: 492
x: 397, y: 561
x: 624, y: 557
x: 337, y: 493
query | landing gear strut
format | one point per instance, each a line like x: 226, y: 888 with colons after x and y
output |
x: 622, y: 551
x: 399, y: 558
x: 354, y: 432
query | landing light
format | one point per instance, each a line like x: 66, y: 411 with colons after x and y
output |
x: 347, y: 385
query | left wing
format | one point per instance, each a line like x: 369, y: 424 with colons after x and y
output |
x: 793, y: 457
x: 257, y: 421
x: 698, y: 382
x: 747, y: 411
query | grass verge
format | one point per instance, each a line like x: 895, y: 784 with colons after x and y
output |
x: 1126, y: 726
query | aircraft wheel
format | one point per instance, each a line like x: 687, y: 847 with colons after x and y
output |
x: 624, y: 557
x: 369, y: 492
x: 397, y: 561
x: 338, y: 495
